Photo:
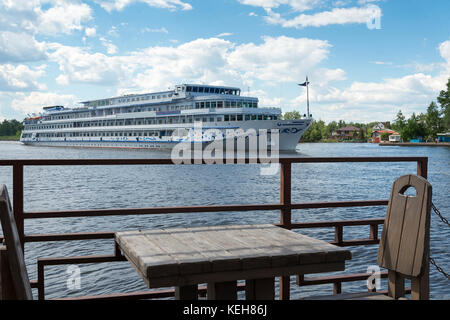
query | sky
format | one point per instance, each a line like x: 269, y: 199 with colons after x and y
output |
x: 365, y: 59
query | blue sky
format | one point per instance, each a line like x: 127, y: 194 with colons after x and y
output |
x: 366, y: 59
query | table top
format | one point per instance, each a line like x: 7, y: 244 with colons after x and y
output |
x: 183, y: 256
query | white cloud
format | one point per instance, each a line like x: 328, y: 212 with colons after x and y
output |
x: 281, y: 59
x: 110, y: 47
x: 80, y: 66
x: 20, y: 47
x: 20, y: 78
x: 49, y: 17
x: 119, y: 5
x: 90, y: 32
x: 224, y: 34
x: 159, y: 30
x: 35, y: 101
x: 274, y: 60
x: 63, y: 17
x: 335, y: 16
x: 297, y: 5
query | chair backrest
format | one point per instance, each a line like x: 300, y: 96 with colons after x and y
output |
x: 14, y: 248
x: 404, y: 243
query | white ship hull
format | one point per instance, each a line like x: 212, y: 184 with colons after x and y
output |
x: 290, y: 132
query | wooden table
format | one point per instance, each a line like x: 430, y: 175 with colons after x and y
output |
x: 221, y: 255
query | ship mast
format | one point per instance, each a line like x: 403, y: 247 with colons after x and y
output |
x: 306, y: 84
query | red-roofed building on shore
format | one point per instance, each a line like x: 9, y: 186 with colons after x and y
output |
x: 376, y: 135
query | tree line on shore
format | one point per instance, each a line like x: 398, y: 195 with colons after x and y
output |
x: 10, y: 129
x: 424, y: 125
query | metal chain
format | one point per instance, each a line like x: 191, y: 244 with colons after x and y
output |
x: 439, y: 214
x: 439, y: 269
x: 444, y: 220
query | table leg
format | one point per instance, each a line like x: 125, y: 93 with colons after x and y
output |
x: 222, y: 290
x: 186, y: 292
x: 260, y: 289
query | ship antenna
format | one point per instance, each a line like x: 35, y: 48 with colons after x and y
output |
x: 306, y: 84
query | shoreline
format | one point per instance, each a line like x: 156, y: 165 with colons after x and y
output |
x: 416, y: 144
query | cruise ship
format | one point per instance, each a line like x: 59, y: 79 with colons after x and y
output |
x: 191, y: 113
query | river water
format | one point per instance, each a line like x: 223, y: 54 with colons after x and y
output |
x: 97, y: 187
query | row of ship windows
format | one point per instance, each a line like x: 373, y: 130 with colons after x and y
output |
x: 225, y: 104
x: 168, y: 120
x: 108, y: 102
x: 198, y: 105
x: 151, y: 133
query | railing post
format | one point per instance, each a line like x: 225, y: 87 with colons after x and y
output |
x: 286, y: 220
x: 421, y: 286
x: 422, y: 168
x: 338, y: 234
x: 40, y: 280
x: 18, y: 200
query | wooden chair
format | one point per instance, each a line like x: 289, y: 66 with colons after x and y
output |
x: 404, y: 244
x: 14, y: 281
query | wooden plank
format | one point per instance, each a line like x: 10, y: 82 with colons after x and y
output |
x: 182, y: 280
x: 222, y: 290
x: 220, y: 237
x: 260, y: 289
x: 403, y: 245
x: 396, y: 284
x: 220, y: 259
x: 186, y: 292
x: 411, y: 229
x: 14, y: 248
x: 188, y: 259
x: 7, y: 291
x: 421, y: 255
x: 309, y: 250
x: 281, y: 255
x: 235, y: 240
x: 392, y: 230
x: 145, y: 254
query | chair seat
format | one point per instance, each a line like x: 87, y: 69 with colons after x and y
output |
x: 352, y: 296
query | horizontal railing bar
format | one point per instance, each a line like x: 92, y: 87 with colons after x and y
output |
x: 156, y: 294
x: 330, y: 224
x: 198, y: 209
x: 143, y: 211
x: 103, y: 162
x: 69, y: 236
x: 338, y: 278
x: 110, y: 234
x: 339, y: 204
x: 356, y: 242
x: 80, y: 259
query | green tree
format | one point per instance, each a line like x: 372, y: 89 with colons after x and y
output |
x: 413, y: 128
x: 399, y: 122
x: 10, y: 128
x: 362, y: 135
x: 444, y: 101
x: 292, y: 115
x: 433, y: 121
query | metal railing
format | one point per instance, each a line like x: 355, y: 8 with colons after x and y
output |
x: 285, y: 206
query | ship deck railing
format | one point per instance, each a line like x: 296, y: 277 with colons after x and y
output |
x: 285, y: 206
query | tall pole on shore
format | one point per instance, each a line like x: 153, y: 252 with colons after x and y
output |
x: 306, y: 84
x: 307, y: 96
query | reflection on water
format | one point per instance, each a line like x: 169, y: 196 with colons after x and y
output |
x: 98, y: 187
